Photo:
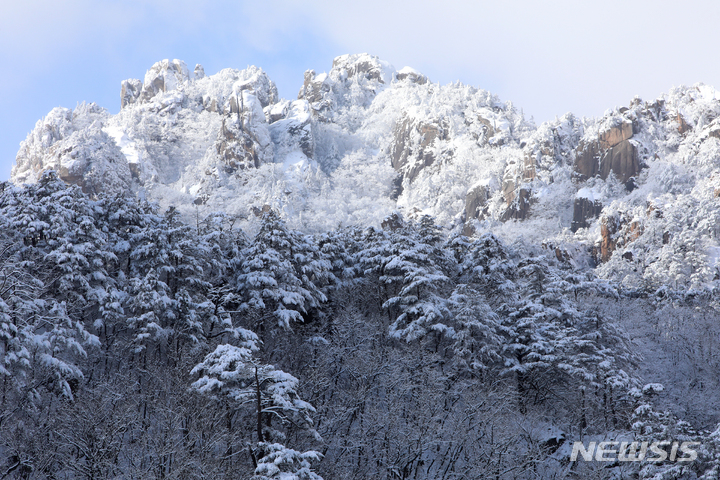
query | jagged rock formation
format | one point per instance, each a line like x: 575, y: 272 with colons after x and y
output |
x: 476, y: 201
x: 365, y: 139
x: 584, y: 210
x: 353, y: 81
x: 74, y: 145
x: 612, y: 152
x: 414, y: 144
x: 617, y: 232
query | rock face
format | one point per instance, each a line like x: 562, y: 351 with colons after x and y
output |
x: 683, y: 127
x: 519, y: 207
x: 584, y: 209
x: 622, y: 160
x: 130, y: 91
x: 613, y: 152
x: 163, y: 76
x: 244, y: 140
x: 616, y: 135
x: 475, y: 202
x: 517, y: 188
x: 616, y: 232
x: 413, y: 146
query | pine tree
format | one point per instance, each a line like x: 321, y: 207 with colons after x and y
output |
x: 404, y: 261
x: 537, y: 326
x: 279, y: 275
x: 475, y: 331
x: 233, y: 372
x: 168, y: 300
x: 47, y: 284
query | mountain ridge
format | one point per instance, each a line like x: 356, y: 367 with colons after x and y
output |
x: 365, y: 139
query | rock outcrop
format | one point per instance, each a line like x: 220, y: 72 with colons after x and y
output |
x: 163, y: 76
x: 584, y: 209
x: 353, y: 80
x: 476, y: 201
x: 519, y: 207
x: 517, y: 188
x: 411, y: 75
x: 683, y: 126
x: 74, y: 144
x: 613, y: 152
x: 616, y: 231
x: 213, y: 94
x: 414, y: 144
x: 244, y: 139
x: 130, y: 91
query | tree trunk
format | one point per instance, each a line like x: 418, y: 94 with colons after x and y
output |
x: 259, y: 407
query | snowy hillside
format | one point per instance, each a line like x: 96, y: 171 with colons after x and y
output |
x: 384, y: 278
x: 366, y: 139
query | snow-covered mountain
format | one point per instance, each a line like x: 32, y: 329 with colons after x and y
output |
x: 634, y: 192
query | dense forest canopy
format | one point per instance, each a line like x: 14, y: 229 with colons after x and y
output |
x: 135, y: 345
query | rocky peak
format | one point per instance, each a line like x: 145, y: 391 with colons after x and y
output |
x: 257, y: 82
x: 213, y: 93
x: 361, y: 67
x: 243, y: 140
x: 407, y: 74
x: 75, y: 146
x: 163, y: 76
x: 353, y: 80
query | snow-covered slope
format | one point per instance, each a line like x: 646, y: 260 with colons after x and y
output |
x: 635, y: 191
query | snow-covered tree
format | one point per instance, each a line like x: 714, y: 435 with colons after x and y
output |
x: 51, y: 271
x: 168, y: 301
x: 280, y: 274
x: 282, y: 463
x: 233, y: 372
x: 404, y: 261
x: 473, y: 329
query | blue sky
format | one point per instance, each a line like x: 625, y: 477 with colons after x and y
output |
x: 547, y: 57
